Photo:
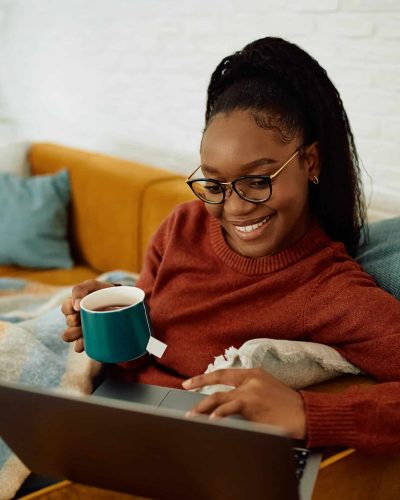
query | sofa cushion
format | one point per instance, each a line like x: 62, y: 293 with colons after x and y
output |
x: 380, y: 256
x: 62, y: 277
x: 33, y: 221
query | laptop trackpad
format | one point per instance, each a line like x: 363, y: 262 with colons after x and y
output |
x: 139, y: 393
x: 177, y: 399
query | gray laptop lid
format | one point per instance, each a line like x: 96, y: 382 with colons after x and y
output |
x: 153, y: 452
x: 307, y: 460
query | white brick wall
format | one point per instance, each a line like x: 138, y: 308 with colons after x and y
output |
x: 129, y: 77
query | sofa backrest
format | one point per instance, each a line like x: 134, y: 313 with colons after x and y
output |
x: 116, y: 204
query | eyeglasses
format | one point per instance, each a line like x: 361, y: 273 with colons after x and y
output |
x: 253, y: 188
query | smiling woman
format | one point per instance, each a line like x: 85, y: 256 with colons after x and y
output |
x: 266, y: 252
x: 282, y: 216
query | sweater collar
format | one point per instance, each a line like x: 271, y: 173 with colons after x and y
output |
x: 314, y: 238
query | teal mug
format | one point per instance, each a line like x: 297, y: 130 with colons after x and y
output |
x: 115, y: 324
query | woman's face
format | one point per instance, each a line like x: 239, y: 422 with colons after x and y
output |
x: 231, y: 142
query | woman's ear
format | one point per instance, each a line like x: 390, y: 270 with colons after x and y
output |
x: 312, y: 160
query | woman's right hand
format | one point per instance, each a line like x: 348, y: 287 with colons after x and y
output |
x: 71, y: 308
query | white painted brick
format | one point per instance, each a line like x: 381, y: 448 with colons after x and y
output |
x: 270, y: 24
x: 386, y: 175
x: 254, y: 6
x: 311, y: 5
x: 364, y: 126
x: 348, y: 25
x: 373, y: 151
x: 382, y: 50
x: 371, y: 5
x: 390, y: 129
x: 350, y: 75
x: 388, y: 26
x: 7, y: 131
x: 385, y: 76
x: 386, y: 200
x: 390, y: 176
x: 367, y: 51
x: 371, y: 100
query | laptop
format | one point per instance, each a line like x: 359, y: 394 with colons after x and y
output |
x: 139, y: 441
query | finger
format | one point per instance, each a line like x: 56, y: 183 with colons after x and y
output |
x: 72, y: 334
x: 67, y: 308
x: 80, y: 291
x: 79, y: 345
x: 231, y: 376
x: 210, y: 403
x: 74, y: 319
x: 232, y: 407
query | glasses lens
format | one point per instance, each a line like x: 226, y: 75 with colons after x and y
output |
x: 254, y: 188
x: 209, y: 191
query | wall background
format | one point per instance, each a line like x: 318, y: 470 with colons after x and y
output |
x: 129, y: 77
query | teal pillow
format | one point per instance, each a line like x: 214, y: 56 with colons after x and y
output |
x: 380, y: 256
x: 33, y: 220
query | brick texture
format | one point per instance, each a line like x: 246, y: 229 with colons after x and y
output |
x: 129, y: 77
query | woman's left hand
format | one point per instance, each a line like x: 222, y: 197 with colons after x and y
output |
x: 257, y: 396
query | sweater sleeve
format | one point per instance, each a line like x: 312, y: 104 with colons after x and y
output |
x: 349, y: 312
x: 362, y: 322
x: 365, y: 418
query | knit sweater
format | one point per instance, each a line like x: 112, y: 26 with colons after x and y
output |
x: 204, y: 297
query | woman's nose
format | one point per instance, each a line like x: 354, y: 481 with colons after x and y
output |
x: 229, y: 190
x: 235, y: 203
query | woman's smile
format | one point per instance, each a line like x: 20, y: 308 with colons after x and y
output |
x: 251, y: 230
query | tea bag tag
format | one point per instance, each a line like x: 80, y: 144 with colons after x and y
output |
x: 156, y: 347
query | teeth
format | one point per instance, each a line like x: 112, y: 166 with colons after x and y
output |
x: 252, y: 227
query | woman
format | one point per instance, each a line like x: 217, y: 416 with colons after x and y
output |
x: 266, y: 253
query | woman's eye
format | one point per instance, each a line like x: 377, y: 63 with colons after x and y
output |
x: 259, y: 184
x: 213, y: 188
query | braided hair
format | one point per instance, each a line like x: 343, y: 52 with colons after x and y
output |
x: 286, y: 89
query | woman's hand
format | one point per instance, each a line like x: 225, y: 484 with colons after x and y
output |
x: 71, y: 308
x: 257, y: 396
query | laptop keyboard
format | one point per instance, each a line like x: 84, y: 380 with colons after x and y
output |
x: 300, y: 455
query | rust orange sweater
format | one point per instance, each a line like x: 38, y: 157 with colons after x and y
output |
x: 204, y: 297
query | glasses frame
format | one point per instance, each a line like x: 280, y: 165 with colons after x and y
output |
x: 231, y: 186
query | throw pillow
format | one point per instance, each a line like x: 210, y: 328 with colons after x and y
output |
x: 33, y: 221
x: 380, y: 256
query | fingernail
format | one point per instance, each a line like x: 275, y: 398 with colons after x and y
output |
x: 76, y: 304
x: 187, y: 383
x: 189, y: 413
x: 213, y: 415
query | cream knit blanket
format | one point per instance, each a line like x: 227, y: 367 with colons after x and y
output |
x: 297, y: 364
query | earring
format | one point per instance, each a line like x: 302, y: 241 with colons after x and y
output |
x: 315, y: 180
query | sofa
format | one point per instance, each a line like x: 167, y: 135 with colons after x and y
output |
x: 116, y: 205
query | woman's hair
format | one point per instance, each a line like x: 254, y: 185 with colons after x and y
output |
x: 287, y: 90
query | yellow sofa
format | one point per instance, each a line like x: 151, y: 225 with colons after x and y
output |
x: 116, y: 205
